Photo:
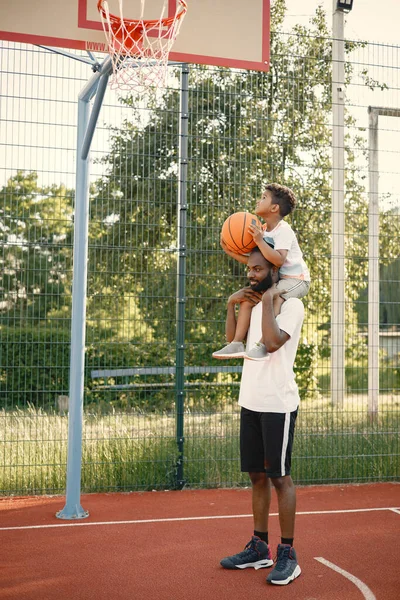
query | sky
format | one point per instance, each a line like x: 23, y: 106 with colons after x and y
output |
x: 360, y: 23
x: 372, y: 20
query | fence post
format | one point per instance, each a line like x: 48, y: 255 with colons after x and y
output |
x: 338, y: 251
x: 181, y: 272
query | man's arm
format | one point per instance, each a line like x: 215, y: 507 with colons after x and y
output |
x: 272, y: 336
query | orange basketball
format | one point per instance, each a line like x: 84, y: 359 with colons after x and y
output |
x: 235, y: 232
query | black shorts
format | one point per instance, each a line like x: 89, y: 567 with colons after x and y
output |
x: 266, y: 441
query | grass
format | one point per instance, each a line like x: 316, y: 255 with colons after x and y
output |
x: 139, y: 451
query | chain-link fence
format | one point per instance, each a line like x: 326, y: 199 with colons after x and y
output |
x: 144, y: 428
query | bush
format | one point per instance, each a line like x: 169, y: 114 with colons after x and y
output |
x: 305, y: 367
x: 34, y: 366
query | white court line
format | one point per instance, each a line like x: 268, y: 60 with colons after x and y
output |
x: 396, y: 510
x: 364, y: 589
x: 80, y: 523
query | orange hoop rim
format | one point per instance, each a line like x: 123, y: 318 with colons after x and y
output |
x: 144, y: 23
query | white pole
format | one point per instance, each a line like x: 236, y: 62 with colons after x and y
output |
x: 373, y: 265
x: 373, y: 255
x: 73, y: 508
x: 337, y: 264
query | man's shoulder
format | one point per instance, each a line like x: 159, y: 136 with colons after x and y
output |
x: 293, y: 305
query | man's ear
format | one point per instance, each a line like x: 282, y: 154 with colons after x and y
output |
x: 274, y: 208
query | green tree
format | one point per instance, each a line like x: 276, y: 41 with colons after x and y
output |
x: 35, y: 237
x: 245, y: 128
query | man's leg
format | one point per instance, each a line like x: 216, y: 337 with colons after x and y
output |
x: 278, y: 431
x: 287, y: 567
x: 257, y: 553
x: 286, y: 493
x: 261, y: 500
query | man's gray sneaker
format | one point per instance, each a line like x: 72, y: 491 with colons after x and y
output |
x: 257, y: 554
x: 257, y: 352
x: 232, y: 350
x: 286, y: 568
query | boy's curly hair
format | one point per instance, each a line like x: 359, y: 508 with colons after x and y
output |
x: 283, y: 196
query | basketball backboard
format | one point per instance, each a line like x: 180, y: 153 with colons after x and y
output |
x: 228, y: 33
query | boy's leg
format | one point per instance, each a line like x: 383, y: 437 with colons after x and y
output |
x: 291, y: 288
x: 236, y: 349
x: 243, y: 321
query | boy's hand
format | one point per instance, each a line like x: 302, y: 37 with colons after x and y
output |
x: 257, y: 233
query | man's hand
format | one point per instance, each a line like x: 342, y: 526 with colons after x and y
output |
x: 242, y: 258
x: 245, y: 295
x: 273, y: 292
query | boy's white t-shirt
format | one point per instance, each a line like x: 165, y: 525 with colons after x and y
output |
x: 270, y: 385
x: 282, y: 237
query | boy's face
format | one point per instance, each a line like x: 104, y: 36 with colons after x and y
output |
x: 264, y: 205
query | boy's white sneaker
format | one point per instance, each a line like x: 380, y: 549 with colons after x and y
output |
x: 232, y: 350
x: 257, y: 352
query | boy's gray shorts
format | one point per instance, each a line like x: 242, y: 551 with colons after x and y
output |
x: 296, y: 288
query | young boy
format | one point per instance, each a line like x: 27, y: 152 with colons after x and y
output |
x: 278, y: 244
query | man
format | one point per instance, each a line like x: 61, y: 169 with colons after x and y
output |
x: 269, y: 401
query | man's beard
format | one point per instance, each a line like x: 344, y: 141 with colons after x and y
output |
x: 263, y: 285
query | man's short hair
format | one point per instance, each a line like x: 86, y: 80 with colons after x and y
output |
x: 283, y: 196
x: 257, y: 249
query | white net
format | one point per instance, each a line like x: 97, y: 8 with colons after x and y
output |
x: 139, y: 48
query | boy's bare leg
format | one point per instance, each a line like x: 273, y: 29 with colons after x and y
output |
x: 243, y: 321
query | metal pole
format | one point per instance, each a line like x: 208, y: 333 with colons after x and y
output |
x: 181, y: 272
x: 98, y: 101
x: 373, y: 265
x: 90, y: 61
x: 337, y: 293
x: 73, y: 508
x: 373, y: 254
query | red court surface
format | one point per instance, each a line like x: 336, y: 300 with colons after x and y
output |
x: 167, y: 546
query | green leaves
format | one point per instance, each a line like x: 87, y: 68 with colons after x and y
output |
x: 35, y: 236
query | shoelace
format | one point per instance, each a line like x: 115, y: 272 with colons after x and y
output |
x: 282, y: 559
x: 250, y: 547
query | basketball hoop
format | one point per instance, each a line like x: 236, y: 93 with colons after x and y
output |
x: 139, y: 48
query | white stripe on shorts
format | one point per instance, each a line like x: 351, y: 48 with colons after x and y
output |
x: 285, y: 442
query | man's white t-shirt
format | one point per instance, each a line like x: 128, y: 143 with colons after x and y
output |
x: 270, y: 386
x: 282, y: 237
